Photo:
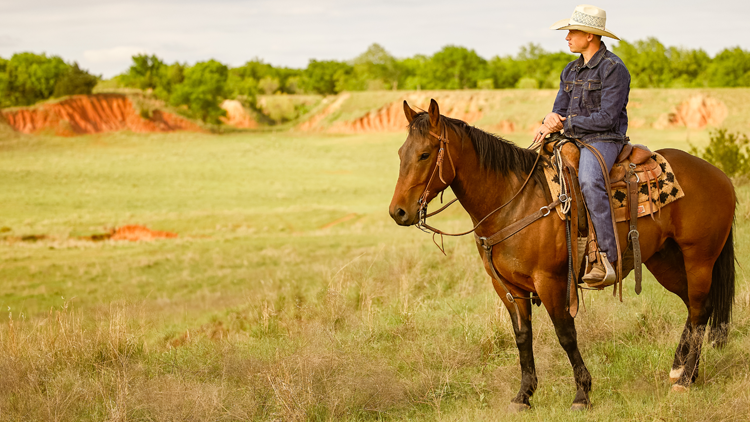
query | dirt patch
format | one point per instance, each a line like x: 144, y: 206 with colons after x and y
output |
x: 237, y: 116
x: 84, y: 114
x: 386, y: 119
x: 135, y: 233
x: 132, y: 233
x: 31, y: 238
x: 696, y: 112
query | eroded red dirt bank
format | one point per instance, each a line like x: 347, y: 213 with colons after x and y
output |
x: 84, y: 114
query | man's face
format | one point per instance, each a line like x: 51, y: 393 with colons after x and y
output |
x: 578, y: 41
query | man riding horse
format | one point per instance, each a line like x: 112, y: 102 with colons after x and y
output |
x: 591, y: 108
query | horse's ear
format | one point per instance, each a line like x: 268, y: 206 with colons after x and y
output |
x: 409, y: 112
x: 434, y: 113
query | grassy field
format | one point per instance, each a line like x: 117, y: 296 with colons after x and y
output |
x: 291, y: 295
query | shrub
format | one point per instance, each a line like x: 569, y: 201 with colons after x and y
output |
x: 486, y: 84
x: 269, y: 85
x: 204, y: 87
x: 728, y: 151
x: 75, y: 81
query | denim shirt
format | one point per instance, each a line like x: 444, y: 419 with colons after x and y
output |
x: 593, y: 97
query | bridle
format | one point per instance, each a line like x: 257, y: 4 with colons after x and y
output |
x: 442, y: 151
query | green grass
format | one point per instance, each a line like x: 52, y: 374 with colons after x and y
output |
x: 258, y: 312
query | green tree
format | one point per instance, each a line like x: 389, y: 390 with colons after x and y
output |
x: 505, y: 71
x: 688, y: 67
x: 205, y: 85
x: 75, y: 81
x: 541, y: 65
x: 3, y: 83
x: 647, y: 62
x: 31, y: 77
x: 151, y: 73
x: 145, y: 72
x: 326, y: 77
x: 376, y: 64
x: 455, y: 67
x: 256, y: 69
x: 412, y: 72
x: 730, y: 68
x: 243, y: 89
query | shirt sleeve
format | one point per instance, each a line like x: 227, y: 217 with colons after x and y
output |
x: 562, y: 101
x: 615, y: 89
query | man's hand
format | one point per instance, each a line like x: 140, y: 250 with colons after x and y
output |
x: 553, y: 122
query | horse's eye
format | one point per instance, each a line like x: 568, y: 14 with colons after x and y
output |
x: 424, y: 156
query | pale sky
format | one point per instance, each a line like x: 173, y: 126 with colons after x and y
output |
x: 102, y: 35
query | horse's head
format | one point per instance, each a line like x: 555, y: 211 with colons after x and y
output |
x: 426, y: 164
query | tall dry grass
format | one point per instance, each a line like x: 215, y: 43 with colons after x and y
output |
x: 392, y: 333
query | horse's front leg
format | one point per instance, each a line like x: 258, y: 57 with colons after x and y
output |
x: 524, y: 340
x: 552, y: 292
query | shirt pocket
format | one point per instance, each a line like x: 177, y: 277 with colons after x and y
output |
x: 568, y: 86
x: 592, y: 94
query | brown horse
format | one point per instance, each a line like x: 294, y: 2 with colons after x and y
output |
x: 688, y: 247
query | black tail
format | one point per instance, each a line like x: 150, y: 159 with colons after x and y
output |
x: 721, y: 295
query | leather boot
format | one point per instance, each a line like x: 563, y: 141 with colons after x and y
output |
x: 598, y: 277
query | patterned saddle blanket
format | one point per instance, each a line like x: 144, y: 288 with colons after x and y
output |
x: 653, y: 194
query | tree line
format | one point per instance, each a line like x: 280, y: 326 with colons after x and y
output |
x: 27, y: 78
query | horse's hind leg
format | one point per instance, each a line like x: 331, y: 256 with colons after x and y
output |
x: 668, y: 267
x: 687, y: 273
x: 699, y: 282
x: 678, y: 366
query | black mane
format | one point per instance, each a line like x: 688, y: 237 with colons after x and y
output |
x: 494, y: 153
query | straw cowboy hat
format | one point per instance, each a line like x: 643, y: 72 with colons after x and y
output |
x: 586, y: 18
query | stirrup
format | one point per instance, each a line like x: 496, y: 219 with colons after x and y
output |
x: 610, y: 277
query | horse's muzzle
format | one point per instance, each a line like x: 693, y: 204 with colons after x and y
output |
x: 402, y: 217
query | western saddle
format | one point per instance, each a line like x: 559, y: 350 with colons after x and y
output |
x: 633, y: 167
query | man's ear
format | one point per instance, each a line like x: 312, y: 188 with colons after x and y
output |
x: 409, y: 112
x: 434, y: 112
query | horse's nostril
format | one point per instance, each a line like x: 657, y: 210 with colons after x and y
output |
x: 401, y: 212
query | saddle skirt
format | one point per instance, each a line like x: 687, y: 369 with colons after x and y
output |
x: 657, y: 185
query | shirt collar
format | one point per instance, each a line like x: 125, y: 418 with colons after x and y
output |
x: 595, y: 59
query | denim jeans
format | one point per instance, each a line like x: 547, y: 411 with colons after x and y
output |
x: 595, y: 193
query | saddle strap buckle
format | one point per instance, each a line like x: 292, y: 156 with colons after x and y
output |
x: 633, y: 234
x: 483, y: 243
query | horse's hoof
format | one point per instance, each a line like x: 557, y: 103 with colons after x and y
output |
x: 675, y: 374
x: 677, y: 388
x: 518, y: 407
x: 577, y: 407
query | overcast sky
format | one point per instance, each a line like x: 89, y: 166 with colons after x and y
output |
x: 101, y: 35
